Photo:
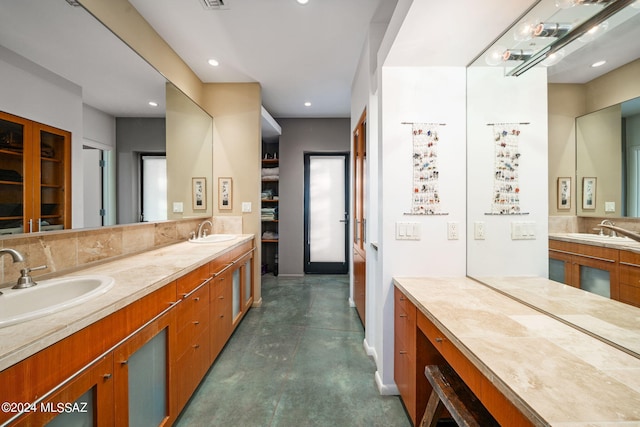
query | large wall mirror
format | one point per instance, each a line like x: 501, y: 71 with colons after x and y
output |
x: 608, y: 148
x: 617, y: 124
x: 61, y: 67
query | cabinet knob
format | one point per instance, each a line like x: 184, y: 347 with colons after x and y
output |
x: 439, y: 339
x: 196, y: 299
x: 196, y: 322
x: 106, y: 376
x: 196, y: 346
x: 124, y: 362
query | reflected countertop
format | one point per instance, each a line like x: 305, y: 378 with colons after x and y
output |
x: 618, y: 242
x: 135, y: 277
x: 554, y: 373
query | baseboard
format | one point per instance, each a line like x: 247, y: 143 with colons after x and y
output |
x: 386, y: 389
x: 370, y: 350
x: 352, y: 303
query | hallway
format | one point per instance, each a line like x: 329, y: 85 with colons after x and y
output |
x: 296, y: 361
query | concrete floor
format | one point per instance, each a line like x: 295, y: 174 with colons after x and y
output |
x: 296, y: 361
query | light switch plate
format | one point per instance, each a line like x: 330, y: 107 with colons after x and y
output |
x: 178, y: 207
x: 408, y: 231
x: 523, y: 230
x: 609, y: 207
x: 246, y: 207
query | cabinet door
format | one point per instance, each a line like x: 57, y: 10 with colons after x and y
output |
x: 599, y: 276
x: 560, y: 267
x: 86, y: 400
x: 142, y: 381
x: 247, y: 274
x: 220, y: 313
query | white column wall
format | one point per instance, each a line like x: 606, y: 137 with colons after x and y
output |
x: 418, y: 94
x: 493, y: 98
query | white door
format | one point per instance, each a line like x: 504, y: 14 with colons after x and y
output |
x: 92, y: 186
x: 154, y: 188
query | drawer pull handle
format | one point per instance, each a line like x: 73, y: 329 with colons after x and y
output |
x: 106, y: 376
x: 196, y: 346
x: 439, y: 339
x: 124, y: 362
x: 196, y: 322
x: 403, y: 315
x: 196, y: 299
x: 403, y: 352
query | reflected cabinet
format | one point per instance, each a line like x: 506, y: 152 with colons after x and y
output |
x: 35, y: 176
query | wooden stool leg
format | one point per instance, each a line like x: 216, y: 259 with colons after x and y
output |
x: 433, y: 411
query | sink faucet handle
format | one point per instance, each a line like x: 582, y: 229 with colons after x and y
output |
x: 26, y: 281
x: 30, y: 269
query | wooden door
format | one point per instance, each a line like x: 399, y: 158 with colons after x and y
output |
x: 359, y: 217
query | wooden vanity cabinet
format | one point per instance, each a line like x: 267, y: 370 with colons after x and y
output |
x: 582, y: 262
x: 35, y: 176
x: 629, y: 276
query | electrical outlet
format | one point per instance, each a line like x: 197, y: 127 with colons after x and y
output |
x: 452, y: 230
x: 178, y: 207
x: 478, y: 230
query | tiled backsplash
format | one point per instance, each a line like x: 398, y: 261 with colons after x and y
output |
x: 73, y: 249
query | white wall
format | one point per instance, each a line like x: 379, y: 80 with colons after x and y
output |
x: 30, y: 91
x: 431, y: 95
x: 493, y: 98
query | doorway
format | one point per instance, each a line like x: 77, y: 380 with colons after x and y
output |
x: 326, y: 218
x: 153, y: 184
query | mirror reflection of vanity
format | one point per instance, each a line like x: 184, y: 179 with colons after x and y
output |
x: 97, y: 89
x: 571, y: 97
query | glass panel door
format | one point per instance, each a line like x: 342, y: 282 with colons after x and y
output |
x: 12, y: 175
x: 154, y: 188
x: 52, y: 181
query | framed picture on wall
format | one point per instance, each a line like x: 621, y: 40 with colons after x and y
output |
x: 225, y: 193
x: 564, y: 193
x: 199, y: 193
x: 588, y: 193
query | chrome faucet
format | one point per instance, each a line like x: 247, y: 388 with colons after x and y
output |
x: 612, y: 232
x: 15, y: 255
x: 202, y: 224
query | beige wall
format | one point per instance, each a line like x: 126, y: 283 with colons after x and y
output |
x: 566, y: 102
x: 236, y: 108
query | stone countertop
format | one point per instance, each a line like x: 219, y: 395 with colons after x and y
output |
x: 135, y: 276
x: 607, y: 319
x: 623, y: 243
x: 555, y: 374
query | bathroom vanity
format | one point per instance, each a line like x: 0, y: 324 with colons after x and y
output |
x: 525, y: 366
x: 137, y: 352
x: 608, y: 266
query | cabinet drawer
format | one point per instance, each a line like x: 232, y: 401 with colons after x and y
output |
x: 192, y: 280
x: 191, y: 367
x: 630, y: 258
x: 402, y: 301
x: 630, y: 294
x: 630, y: 276
x: 194, y: 307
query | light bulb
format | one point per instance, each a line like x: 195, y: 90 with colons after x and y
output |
x: 595, y: 32
x: 524, y: 30
x: 494, y: 55
x: 553, y: 58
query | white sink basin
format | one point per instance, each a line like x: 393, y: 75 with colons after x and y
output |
x: 214, y: 238
x: 599, y: 238
x: 49, y: 296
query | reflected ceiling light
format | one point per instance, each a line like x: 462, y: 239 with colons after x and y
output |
x: 307, y: 104
x: 213, y: 62
x: 595, y: 32
x: 153, y: 104
x: 598, y: 64
x: 529, y: 29
x: 303, y: 1
x: 553, y: 58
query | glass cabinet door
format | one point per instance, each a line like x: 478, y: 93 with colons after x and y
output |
x: 12, y: 175
x: 54, y: 184
x: 235, y: 299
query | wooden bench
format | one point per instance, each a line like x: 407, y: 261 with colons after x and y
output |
x: 451, y: 393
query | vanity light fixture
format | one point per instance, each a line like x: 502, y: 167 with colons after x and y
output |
x: 213, y: 62
x: 598, y: 64
x: 529, y: 29
x: 611, y: 8
x: 517, y: 54
x: 566, y: 4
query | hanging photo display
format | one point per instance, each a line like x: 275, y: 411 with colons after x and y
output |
x: 506, y: 188
x: 425, y: 199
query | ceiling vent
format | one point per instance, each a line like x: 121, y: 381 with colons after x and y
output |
x: 214, y: 4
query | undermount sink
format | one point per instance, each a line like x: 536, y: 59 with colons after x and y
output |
x: 214, y: 238
x: 49, y: 296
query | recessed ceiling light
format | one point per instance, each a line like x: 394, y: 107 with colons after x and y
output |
x: 213, y: 62
x: 153, y: 104
x: 303, y: 1
x: 598, y: 64
x: 307, y: 104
